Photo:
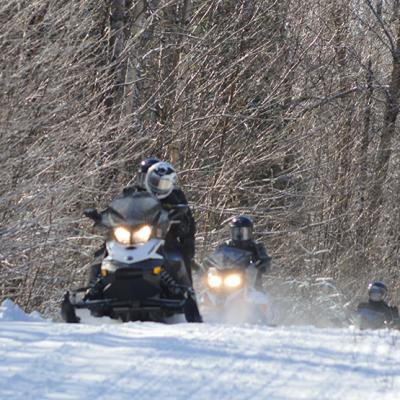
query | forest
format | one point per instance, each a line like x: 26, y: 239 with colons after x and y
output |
x: 281, y: 110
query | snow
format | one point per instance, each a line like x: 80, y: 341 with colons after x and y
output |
x: 11, y: 312
x: 41, y: 359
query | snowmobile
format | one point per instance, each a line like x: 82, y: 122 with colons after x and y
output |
x: 227, y: 291
x: 365, y: 318
x: 138, y: 279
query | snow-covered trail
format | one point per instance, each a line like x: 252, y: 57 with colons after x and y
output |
x: 45, y: 360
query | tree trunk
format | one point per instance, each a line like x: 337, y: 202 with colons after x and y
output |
x: 388, y: 130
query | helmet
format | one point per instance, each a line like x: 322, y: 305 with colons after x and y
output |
x: 241, y: 228
x: 161, y: 179
x: 144, y: 167
x: 377, y: 291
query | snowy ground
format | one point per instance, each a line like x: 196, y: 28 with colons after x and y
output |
x: 46, y: 360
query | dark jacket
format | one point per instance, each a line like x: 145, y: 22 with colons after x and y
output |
x: 376, y: 314
x: 259, y: 253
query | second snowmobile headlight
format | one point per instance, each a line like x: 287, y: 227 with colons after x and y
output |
x: 122, y: 235
x: 142, y: 235
x: 233, y: 280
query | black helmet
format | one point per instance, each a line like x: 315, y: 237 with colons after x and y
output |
x: 377, y: 291
x: 241, y: 228
x: 144, y: 167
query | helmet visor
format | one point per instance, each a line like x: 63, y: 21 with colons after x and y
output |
x: 377, y: 293
x: 241, y: 233
x: 162, y: 185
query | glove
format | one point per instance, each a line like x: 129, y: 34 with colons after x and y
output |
x: 95, y: 292
x: 263, y: 266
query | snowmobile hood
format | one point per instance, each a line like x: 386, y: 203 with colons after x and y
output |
x: 135, y: 209
x: 227, y: 257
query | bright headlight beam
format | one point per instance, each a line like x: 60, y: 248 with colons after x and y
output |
x: 233, y: 280
x: 142, y: 235
x: 214, y: 281
x: 122, y: 235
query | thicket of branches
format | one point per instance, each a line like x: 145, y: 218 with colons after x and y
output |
x: 280, y: 110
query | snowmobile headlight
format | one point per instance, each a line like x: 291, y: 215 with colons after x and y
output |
x: 214, y: 281
x: 122, y: 235
x: 142, y: 235
x: 129, y: 237
x: 233, y: 280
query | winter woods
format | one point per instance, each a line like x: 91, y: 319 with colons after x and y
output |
x: 280, y: 110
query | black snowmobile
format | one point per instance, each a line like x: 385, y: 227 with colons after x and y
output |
x: 138, y: 279
x: 369, y: 316
x: 228, y: 292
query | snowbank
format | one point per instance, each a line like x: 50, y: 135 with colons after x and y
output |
x: 9, y: 311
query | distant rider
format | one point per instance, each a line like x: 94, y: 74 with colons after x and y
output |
x: 376, y: 313
x: 242, y: 239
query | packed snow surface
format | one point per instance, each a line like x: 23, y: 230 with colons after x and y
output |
x: 40, y: 359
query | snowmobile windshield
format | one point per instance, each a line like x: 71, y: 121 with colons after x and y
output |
x: 136, y: 209
x: 227, y: 257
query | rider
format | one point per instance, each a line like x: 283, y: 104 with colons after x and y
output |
x: 377, y: 307
x: 242, y: 239
x: 159, y: 178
